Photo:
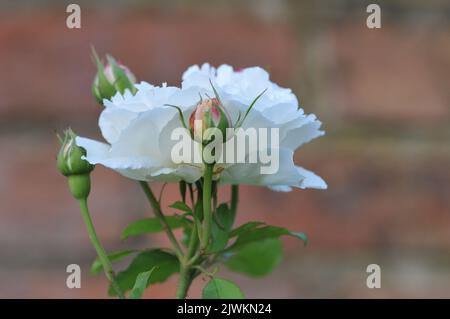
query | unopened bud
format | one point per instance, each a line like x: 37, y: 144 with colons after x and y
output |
x: 111, y: 78
x: 72, y: 165
x: 208, y: 114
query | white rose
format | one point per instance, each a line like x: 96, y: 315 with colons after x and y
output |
x: 138, y: 128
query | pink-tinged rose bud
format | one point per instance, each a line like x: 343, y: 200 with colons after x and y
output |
x: 208, y: 114
x: 111, y: 78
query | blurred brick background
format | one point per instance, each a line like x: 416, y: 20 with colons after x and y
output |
x: 383, y: 96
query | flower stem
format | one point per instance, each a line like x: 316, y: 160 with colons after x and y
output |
x: 183, y: 282
x: 207, y: 185
x: 234, y: 201
x: 107, y: 267
x: 158, y: 213
x: 193, y: 240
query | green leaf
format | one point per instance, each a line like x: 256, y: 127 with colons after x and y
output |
x: 220, y: 228
x: 152, y: 225
x: 301, y: 236
x: 181, y: 206
x: 222, y: 289
x: 224, y: 217
x: 245, y: 228
x: 140, y: 284
x: 166, y: 264
x: 252, y: 234
x: 97, y: 266
x: 256, y: 259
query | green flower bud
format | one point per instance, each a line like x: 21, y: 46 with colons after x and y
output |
x: 111, y: 78
x: 71, y: 164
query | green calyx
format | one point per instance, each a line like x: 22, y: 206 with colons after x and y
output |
x: 71, y: 164
x: 224, y: 121
x: 80, y: 185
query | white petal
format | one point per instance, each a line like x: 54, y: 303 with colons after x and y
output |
x: 113, y: 121
x: 141, y: 137
x: 282, y: 113
x: 310, y: 180
x: 190, y: 70
x: 250, y: 173
x: 100, y: 153
x: 187, y: 173
x: 224, y: 74
x: 300, y: 131
x: 95, y: 151
x: 243, y: 85
x: 122, y: 109
x: 280, y: 188
x: 284, y: 179
x: 196, y: 76
x: 307, y: 180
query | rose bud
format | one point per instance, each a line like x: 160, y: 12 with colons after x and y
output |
x: 208, y: 114
x: 71, y: 164
x: 111, y: 78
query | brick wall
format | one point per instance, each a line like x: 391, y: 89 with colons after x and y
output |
x: 383, y: 96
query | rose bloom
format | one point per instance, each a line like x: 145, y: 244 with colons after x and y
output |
x: 137, y: 128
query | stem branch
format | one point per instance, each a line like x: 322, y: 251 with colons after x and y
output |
x: 159, y: 214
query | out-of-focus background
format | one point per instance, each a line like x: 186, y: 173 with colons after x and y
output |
x: 382, y: 94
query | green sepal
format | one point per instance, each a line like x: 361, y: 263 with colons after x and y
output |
x: 122, y: 81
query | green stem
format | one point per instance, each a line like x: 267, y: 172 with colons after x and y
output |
x: 191, y: 195
x: 192, y: 246
x: 207, y: 183
x: 182, y: 186
x: 234, y: 201
x: 183, y: 282
x: 186, y: 277
x: 107, y: 267
x: 159, y: 214
x: 203, y: 270
x: 198, y: 214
